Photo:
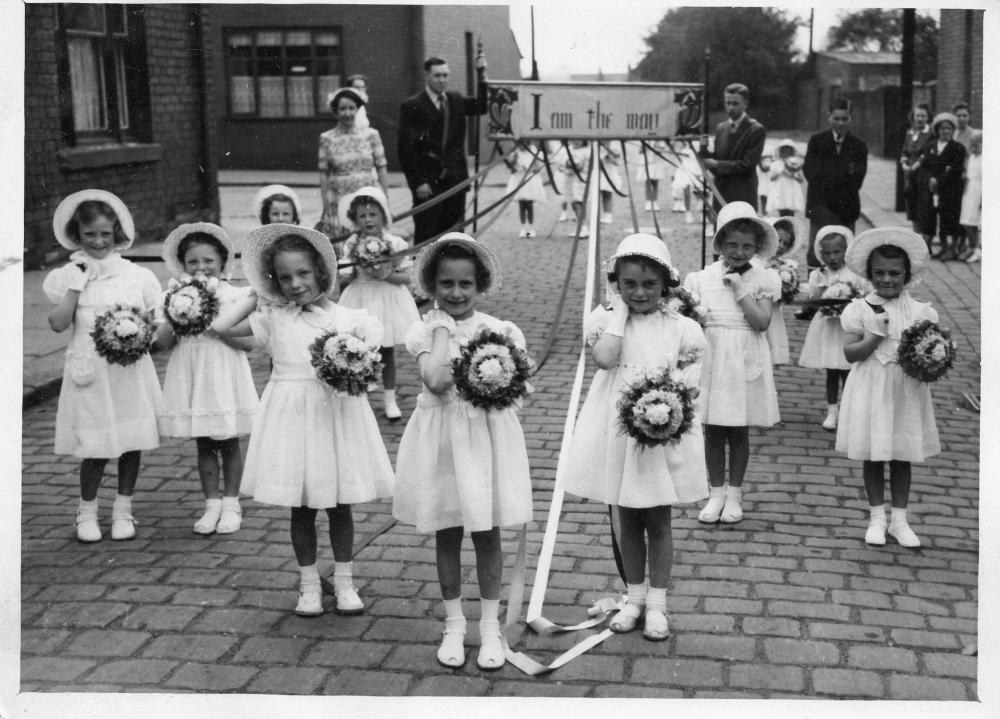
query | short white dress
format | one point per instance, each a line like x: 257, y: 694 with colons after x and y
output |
x: 604, y: 464
x: 533, y: 190
x: 459, y: 465
x: 884, y: 413
x: 823, y: 347
x: 972, y: 197
x: 785, y: 189
x: 208, y: 389
x: 737, y: 383
x: 311, y: 446
x: 658, y: 169
x: 573, y: 184
x: 392, y: 305
x: 105, y: 409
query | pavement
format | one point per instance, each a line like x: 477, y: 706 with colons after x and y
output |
x: 790, y: 603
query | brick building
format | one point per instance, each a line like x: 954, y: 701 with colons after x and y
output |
x: 960, y: 61
x: 279, y: 62
x: 116, y: 97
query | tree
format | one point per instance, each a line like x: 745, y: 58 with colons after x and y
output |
x: 751, y: 45
x: 880, y: 30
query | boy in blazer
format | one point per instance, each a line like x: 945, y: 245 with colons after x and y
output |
x: 432, y: 146
x: 739, y: 143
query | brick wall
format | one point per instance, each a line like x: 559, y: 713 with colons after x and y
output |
x: 160, y: 193
x: 961, y: 32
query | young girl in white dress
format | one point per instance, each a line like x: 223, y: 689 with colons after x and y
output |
x: 277, y: 203
x: 638, y: 337
x: 381, y: 289
x: 971, y: 217
x: 520, y: 161
x: 208, y: 390
x: 886, y: 415
x: 105, y: 410
x: 310, y: 447
x: 737, y: 385
x: 651, y: 170
x: 460, y: 467
x: 574, y: 171
x: 788, y: 229
x: 823, y: 347
x: 786, y: 183
x: 611, y: 158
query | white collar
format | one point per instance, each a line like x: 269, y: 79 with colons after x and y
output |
x: 434, y: 95
x: 738, y: 121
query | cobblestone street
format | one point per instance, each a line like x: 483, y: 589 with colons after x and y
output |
x: 789, y: 603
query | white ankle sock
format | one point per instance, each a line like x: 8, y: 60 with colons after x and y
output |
x: 88, y: 507
x: 489, y: 609
x: 389, y: 395
x: 637, y: 594
x: 898, y: 514
x: 122, y: 505
x: 453, y: 609
x: 656, y: 598
x: 308, y: 579
x: 877, y: 513
x: 343, y: 573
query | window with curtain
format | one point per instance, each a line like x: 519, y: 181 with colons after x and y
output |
x: 278, y: 74
x: 102, y: 78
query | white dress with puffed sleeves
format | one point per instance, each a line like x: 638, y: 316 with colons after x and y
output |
x: 105, y: 409
x: 884, y: 413
x: 737, y: 382
x: 823, y: 347
x: 208, y: 389
x: 604, y: 463
x: 389, y: 303
x: 311, y: 446
x: 457, y: 464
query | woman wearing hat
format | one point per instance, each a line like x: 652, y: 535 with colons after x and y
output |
x: 349, y: 158
x: 939, y: 187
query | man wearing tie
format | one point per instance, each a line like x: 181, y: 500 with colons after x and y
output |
x: 432, y: 146
x: 739, y: 142
x: 835, y: 166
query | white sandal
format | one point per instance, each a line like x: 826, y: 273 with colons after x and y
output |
x: 209, y: 520
x: 451, y: 653
x: 626, y: 619
x: 491, y: 656
x: 656, y: 628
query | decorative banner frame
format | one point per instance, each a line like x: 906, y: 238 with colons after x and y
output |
x: 529, y: 110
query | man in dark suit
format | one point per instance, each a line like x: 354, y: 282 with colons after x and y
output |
x: 739, y: 142
x: 835, y: 166
x: 432, y: 146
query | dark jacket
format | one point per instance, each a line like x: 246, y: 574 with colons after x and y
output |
x: 835, y: 178
x: 425, y: 159
x: 738, y: 153
x: 947, y: 167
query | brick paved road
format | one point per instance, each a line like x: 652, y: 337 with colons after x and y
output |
x: 788, y: 603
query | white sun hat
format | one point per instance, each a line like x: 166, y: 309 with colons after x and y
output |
x: 828, y: 230
x: 271, y: 190
x: 424, y: 262
x: 260, y: 238
x: 902, y: 237
x: 170, y: 245
x: 67, y: 208
x: 744, y: 211
x: 377, y: 196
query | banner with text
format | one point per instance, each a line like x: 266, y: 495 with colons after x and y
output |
x: 593, y: 110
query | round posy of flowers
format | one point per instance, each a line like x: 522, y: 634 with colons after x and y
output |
x: 924, y: 352
x: 123, y: 334
x: 345, y: 361
x: 370, y: 250
x: 491, y: 372
x: 684, y: 303
x: 838, y: 291
x: 789, y: 280
x: 191, y: 306
x: 657, y: 410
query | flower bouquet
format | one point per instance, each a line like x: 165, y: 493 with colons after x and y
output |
x: 924, y: 352
x: 793, y: 164
x: 191, y: 305
x: 840, y: 294
x: 345, y: 361
x: 658, y: 410
x: 491, y: 372
x: 684, y: 303
x: 789, y: 279
x: 372, y: 250
x: 123, y: 334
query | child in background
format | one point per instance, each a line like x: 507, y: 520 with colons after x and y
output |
x: 763, y: 184
x: 686, y: 179
x: 577, y: 161
x: 788, y: 229
x: 520, y: 161
x: 971, y: 217
x: 610, y: 159
x: 277, y: 203
x: 208, y: 390
x: 886, y: 415
x: 737, y: 385
x: 786, y: 182
x: 638, y: 337
x: 105, y: 409
x: 823, y: 347
x: 381, y: 289
x: 310, y: 448
x: 461, y: 467
x: 651, y: 170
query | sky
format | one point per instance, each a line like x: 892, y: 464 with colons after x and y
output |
x: 582, y: 36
